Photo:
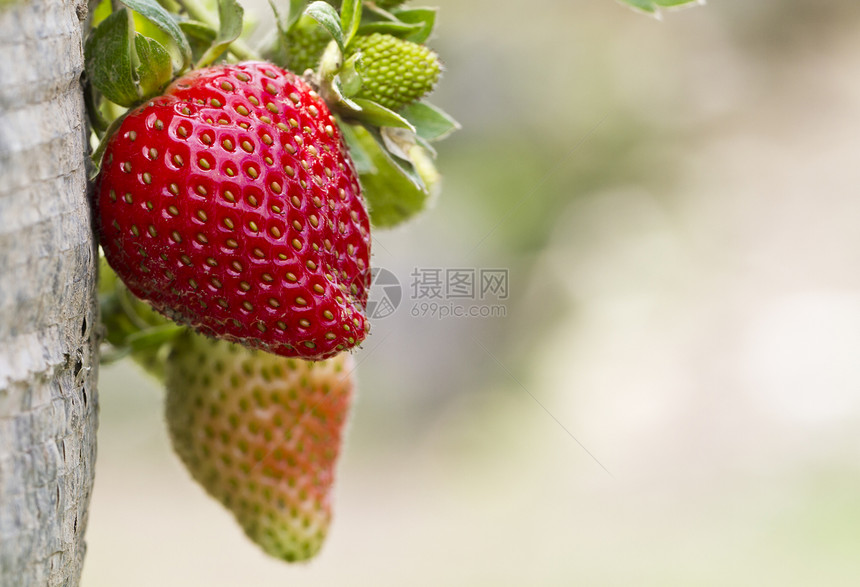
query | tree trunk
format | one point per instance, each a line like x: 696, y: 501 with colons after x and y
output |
x: 48, y: 315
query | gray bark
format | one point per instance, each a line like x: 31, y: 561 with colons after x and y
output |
x: 48, y: 360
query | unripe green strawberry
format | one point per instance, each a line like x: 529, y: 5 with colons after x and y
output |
x: 395, y: 72
x: 262, y: 434
x: 304, y: 45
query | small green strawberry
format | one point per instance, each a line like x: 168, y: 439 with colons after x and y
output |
x: 262, y: 434
x: 304, y: 44
x: 395, y: 72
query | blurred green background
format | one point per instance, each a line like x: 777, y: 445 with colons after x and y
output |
x: 677, y: 204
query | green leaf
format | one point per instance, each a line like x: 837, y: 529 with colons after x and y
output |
x: 425, y: 17
x: 389, y: 27
x: 378, y: 115
x: 102, y: 11
x: 391, y: 196
x: 350, y: 18
x: 360, y: 157
x: 413, y: 159
x: 199, y: 31
x: 297, y: 7
x: 398, y: 141
x: 109, y: 58
x: 324, y: 14
x: 155, y: 13
x: 349, y: 79
x: 200, y: 37
x: 395, y: 153
x: 144, y: 26
x: 653, y: 6
x: 339, y: 97
x: 155, y: 70
x: 230, y: 15
x: 230, y: 19
x: 430, y: 122
x: 431, y: 151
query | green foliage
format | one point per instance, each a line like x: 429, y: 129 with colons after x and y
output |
x: 200, y: 37
x: 424, y: 19
x: 430, y: 122
x: 155, y: 70
x: 124, y: 66
x: 653, y: 6
x: 377, y: 115
x: 159, y: 16
x: 388, y: 4
x: 368, y: 77
x: 328, y: 18
x: 350, y: 18
x: 410, y: 24
x: 230, y: 18
x: 391, y: 195
x: 132, y: 327
x: 297, y: 8
x: 372, y: 75
x: 109, y: 59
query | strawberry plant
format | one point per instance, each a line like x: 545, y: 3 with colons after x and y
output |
x: 236, y: 188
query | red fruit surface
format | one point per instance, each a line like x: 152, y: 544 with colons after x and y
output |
x: 231, y: 205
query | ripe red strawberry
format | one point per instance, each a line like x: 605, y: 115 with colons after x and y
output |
x: 231, y: 205
x: 262, y: 434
